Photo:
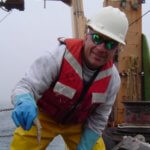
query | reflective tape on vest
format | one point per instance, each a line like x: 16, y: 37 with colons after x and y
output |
x: 98, y: 97
x: 64, y: 90
x: 104, y: 74
x: 74, y: 63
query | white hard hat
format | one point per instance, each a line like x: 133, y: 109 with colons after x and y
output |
x: 111, y: 22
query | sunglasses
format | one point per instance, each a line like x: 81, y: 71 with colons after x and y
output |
x: 109, y: 44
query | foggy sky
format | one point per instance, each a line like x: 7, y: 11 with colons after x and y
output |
x: 26, y: 35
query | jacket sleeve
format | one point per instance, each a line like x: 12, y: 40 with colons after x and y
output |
x: 98, y: 119
x: 40, y: 75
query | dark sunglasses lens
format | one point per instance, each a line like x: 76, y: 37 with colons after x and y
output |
x: 111, y: 45
x: 96, y: 39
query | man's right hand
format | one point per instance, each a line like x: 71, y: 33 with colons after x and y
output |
x: 25, y: 111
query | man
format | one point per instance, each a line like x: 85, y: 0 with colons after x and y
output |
x: 73, y: 88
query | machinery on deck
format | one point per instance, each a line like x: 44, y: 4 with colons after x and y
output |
x: 12, y: 4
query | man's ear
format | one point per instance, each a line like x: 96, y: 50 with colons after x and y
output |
x: 86, y: 36
x: 120, y: 47
x: 86, y: 32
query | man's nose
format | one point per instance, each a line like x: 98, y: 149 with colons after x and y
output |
x: 101, y: 46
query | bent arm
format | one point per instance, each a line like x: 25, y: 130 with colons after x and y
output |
x: 40, y: 75
x: 98, y: 119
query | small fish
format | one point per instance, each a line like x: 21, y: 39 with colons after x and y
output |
x: 39, y: 129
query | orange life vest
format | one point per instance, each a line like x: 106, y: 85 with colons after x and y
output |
x: 60, y: 101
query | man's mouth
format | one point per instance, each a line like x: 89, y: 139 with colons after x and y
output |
x: 99, y: 55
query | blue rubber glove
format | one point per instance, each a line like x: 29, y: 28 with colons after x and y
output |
x: 25, y: 111
x: 88, y: 140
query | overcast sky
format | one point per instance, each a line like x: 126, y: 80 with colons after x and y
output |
x: 25, y: 35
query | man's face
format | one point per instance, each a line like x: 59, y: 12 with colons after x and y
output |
x: 98, y: 50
